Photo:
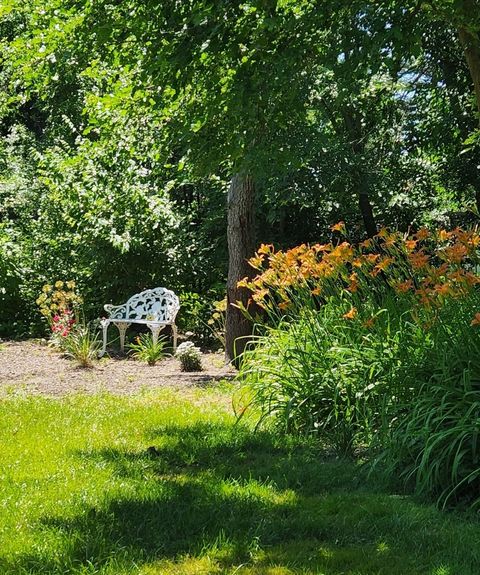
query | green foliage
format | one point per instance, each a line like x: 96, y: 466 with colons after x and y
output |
x: 194, y: 310
x: 431, y: 442
x: 114, y: 165
x: 320, y: 375
x: 146, y: 349
x: 82, y: 344
x: 367, y: 359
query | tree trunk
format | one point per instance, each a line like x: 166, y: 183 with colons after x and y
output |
x: 471, y: 46
x: 241, y: 246
x: 367, y: 214
x: 354, y: 129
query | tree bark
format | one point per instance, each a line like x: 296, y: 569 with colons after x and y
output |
x: 367, y: 214
x: 241, y: 246
x: 355, y: 133
x: 471, y: 46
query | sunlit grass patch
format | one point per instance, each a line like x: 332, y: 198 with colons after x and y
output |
x: 169, y: 483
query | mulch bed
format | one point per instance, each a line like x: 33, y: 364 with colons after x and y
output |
x: 33, y: 368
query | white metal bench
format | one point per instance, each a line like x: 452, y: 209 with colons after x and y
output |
x: 155, y: 308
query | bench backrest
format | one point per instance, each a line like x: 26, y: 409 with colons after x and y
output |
x: 158, y: 304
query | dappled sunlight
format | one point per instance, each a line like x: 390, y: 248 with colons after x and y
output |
x: 202, y: 495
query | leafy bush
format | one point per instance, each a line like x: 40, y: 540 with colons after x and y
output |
x: 189, y: 356
x: 146, y: 349
x: 203, y: 316
x: 11, y: 304
x: 375, y: 344
x: 325, y: 376
x: 432, y: 442
x: 193, y: 313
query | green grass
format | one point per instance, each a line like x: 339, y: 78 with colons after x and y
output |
x: 82, y: 493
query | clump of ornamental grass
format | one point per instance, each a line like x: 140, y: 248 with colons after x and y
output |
x: 145, y: 348
x: 82, y: 345
x: 190, y: 356
x: 374, y: 344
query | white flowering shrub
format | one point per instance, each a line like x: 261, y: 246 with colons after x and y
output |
x: 190, y: 356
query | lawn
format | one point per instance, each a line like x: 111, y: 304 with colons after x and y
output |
x: 164, y: 482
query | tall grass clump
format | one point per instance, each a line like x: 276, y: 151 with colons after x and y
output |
x: 374, y: 345
x: 433, y: 442
x: 82, y: 345
x: 319, y: 375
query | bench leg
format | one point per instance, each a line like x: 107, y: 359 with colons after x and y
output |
x: 155, y: 329
x: 105, y: 325
x: 122, y: 330
x: 175, y: 334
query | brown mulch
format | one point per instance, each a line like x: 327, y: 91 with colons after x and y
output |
x: 34, y: 368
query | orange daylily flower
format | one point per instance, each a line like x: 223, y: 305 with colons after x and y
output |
x: 474, y: 241
x: 245, y: 283
x: 454, y: 254
x: 339, y: 227
x: 322, y: 247
x: 353, y: 286
x: 403, y: 287
x: 418, y: 260
x: 422, y: 234
x: 351, y: 314
x: 381, y: 266
x: 443, y: 289
x: 443, y: 235
x: 471, y: 279
x: 256, y: 262
x: 342, y: 252
x: 266, y: 249
x: 367, y: 243
x: 259, y: 295
x: 372, y: 258
x: 383, y: 233
x: 476, y: 319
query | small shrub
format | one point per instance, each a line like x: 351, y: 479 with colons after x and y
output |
x: 60, y: 305
x: 146, y: 349
x: 190, y: 356
x: 82, y: 345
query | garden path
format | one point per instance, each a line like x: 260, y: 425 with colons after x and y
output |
x: 30, y: 367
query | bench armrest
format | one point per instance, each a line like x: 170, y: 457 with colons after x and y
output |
x: 116, y: 311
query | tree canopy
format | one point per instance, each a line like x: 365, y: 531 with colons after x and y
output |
x: 123, y: 124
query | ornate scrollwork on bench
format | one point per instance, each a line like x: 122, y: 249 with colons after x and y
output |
x: 155, y: 308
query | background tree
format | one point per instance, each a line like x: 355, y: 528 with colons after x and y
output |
x: 126, y: 124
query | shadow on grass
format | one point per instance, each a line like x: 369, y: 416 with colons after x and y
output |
x: 221, y: 492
